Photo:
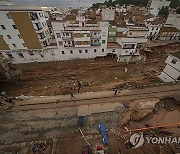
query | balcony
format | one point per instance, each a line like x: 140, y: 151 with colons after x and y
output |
x: 96, y: 44
x: 68, y: 45
x: 67, y: 38
x: 82, y: 28
x: 34, y: 16
x: 83, y: 45
x: 96, y: 36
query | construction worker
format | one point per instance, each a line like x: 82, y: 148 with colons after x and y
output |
x: 79, y: 86
x: 115, y: 92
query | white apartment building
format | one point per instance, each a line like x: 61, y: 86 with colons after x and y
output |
x: 171, y: 72
x: 80, y: 39
x: 154, y: 29
x: 168, y: 32
x: 156, y: 5
x: 22, y: 27
x: 128, y: 51
x: 108, y: 14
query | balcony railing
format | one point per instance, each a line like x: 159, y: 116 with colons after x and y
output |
x: 68, y: 45
x: 67, y: 38
x: 82, y: 28
x: 96, y: 44
x: 96, y: 36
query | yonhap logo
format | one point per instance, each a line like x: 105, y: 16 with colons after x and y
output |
x: 137, y: 140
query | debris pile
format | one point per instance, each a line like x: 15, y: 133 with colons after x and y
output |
x: 38, y: 146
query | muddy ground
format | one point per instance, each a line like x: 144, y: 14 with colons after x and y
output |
x: 55, y: 78
x: 58, y: 127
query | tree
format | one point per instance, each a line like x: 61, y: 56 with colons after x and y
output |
x: 175, y: 4
x: 122, y: 2
x: 164, y: 12
x: 178, y: 11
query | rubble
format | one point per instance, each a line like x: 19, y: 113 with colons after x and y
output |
x: 22, y: 97
x: 38, y: 146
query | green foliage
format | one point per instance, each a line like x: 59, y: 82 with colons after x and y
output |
x: 96, y: 5
x: 133, y: 2
x: 164, y: 12
x: 175, y: 4
x: 178, y: 11
x: 121, y: 2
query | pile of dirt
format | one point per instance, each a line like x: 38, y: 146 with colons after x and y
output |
x: 147, y: 113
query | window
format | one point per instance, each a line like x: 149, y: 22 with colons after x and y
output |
x: 58, y: 35
x: 41, y: 55
x: 95, y: 50
x: 71, y: 52
x: 113, y: 50
x: 80, y: 51
x: 14, y: 26
x: 8, y: 15
x: 31, y: 53
x: 20, y: 36
x: 67, y: 34
x: 60, y: 43
x: 178, y: 78
x: 14, y: 45
x: 9, y: 55
x: 103, y: 41
x: 45, y: 43
x: 21, y: 55
x: 86, y: 42
x: 174, y: 61
x: 86, y: 51
x: 104, y: 33
x: 9, y: 37
x: 102, y: 50
x: 3, y: 27
x: 24, y: 45
x: 62, y: 52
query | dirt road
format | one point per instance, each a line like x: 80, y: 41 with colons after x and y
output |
x: 95, y: 98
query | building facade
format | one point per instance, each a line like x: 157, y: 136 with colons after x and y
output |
x: 174, y: 19
x: 168, y: 32
x: 171, y: 72
x: 22, y: 27
x: 108, y: 14
x: 80, y: 39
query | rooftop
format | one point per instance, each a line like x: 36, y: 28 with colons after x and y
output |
x: 113, y: 45
x: 19, y: 8
x: 70, y: 17
x: 169, y: 29
x: 176, y: 54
